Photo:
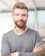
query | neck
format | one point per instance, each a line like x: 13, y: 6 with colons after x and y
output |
x: 20, y: 30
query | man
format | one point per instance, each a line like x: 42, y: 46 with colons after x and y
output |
x: 21, y: 41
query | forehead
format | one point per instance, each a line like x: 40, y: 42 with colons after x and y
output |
x: 20, y: 11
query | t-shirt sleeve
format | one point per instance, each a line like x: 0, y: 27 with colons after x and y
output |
x: 5, y: 47
x: 28, y: 54
x: 38, y: 39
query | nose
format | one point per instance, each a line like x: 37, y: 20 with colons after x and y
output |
x: 20, y: 17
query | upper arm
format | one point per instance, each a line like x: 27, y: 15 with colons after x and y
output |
x: 38, y: 39
x: 5, y: 50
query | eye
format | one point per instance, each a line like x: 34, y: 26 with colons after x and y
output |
x: 23, y: 14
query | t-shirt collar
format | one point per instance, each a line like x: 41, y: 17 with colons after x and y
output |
x: 20, y: 33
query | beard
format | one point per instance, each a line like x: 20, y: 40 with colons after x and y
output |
x: 20, y: 23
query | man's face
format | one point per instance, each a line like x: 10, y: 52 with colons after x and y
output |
x: 20, y: 17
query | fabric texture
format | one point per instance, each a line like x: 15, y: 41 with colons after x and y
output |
x: 24, y: 44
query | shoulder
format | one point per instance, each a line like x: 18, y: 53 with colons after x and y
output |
x: 32, y: 31
x: 7, y: 34
x: 34, y: 34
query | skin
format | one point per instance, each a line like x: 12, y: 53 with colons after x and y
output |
x: 20, y: 17
x: 42, y: 53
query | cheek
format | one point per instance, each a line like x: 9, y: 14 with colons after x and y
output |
x: 25, y: 19
x: 15, y: 18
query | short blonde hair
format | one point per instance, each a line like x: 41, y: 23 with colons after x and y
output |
x: 20, y: 5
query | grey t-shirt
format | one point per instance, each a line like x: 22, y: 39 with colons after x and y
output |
x: 24, y: 44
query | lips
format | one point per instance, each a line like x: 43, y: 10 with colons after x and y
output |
x: 20, y: 23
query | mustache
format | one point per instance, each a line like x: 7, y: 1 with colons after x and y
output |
x: 20, y: 21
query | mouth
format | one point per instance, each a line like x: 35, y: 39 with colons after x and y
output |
x: 20, y: 23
